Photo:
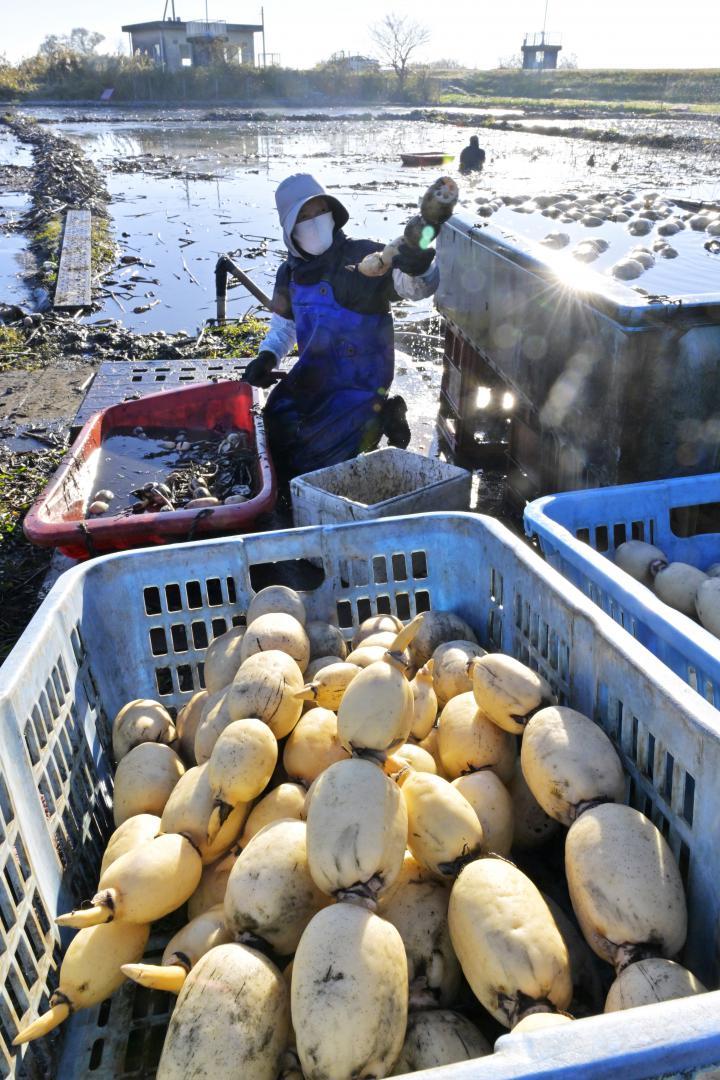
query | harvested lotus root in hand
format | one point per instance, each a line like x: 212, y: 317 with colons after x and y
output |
x: 437, y: 205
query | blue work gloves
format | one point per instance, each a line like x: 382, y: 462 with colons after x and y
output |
x: 259, y: 371
x: 413, y: 261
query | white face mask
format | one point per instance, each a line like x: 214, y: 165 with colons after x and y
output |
x: 316, y: 234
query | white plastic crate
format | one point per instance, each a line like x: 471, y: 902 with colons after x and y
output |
x: 137, y: 625
x: 383, y: 483
x: 579, y: 532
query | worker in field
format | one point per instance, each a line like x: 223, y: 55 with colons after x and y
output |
x: 335, y: 402
x: 472, y: 157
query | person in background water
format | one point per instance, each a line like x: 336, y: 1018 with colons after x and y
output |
x: 472, y: 157
x: 334, y: 402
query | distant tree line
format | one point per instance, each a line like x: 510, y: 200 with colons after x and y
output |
x: 68, y: 68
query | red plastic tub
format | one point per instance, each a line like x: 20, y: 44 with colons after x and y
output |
x: 57, y: 517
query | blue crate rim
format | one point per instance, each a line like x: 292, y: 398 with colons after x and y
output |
x: 700, y: 647
x: 608, y: 296
x: 644, y: 1033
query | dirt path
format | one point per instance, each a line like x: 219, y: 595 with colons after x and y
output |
x: 45, y: 394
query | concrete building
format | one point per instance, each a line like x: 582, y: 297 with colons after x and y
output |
x: 355, y: 64
x: 175, y: 44
x: 540, y: 51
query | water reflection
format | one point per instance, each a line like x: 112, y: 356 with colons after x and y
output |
x: 13, y: 250
x: 200, y: 188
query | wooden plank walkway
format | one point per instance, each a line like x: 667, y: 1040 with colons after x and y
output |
x: 73, y: 280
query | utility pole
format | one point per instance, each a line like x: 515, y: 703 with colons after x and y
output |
x: 262, y: 20
x: 545, y: 20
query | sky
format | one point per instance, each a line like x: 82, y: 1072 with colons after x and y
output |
x: 476, y: 33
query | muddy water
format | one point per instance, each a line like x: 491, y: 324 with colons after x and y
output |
x: 13, y: 152
x: 14, y: 259
x: 181, y: 224
x: 125, y: 462
x: 13, y: 246
x: 202, y: 188
x: 128, y: 460
x: 691, y: 271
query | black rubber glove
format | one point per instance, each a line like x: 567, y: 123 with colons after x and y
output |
x: 259, y: 371
x: 413, y: 260
x: 394, y: 421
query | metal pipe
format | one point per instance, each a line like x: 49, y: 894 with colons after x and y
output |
x: 224, y: 267
x: 221, y: 290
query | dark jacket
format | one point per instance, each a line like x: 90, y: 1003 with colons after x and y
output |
x: 329, y: 407
x: 338, y: 267
x: 472, y: 158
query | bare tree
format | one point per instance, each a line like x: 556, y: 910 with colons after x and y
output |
x: 80, y: 41
x: 85, y: 41
x: 397, y: 37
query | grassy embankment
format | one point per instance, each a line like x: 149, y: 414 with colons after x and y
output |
x: 614, y: 91
x: 70, y: 77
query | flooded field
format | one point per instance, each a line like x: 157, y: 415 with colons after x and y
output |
x: 14, y: 157
x: 185, y: 189
x: 187, y: 185
x: 13, y: 248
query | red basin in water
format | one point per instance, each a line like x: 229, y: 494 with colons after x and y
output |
x: 430, y: 157
x: 57, y: 517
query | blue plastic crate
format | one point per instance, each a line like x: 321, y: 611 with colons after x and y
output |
x: 579, y: 531
x: 137, y: 625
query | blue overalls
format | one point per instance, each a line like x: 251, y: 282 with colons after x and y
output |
x: 328, y: 408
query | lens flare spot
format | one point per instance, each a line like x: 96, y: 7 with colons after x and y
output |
x: 426, y: 237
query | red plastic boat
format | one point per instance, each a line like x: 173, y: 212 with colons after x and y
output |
x: 57, y: 519
x: 429, y: 157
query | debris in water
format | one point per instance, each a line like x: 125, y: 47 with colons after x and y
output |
x: 556, y: 240
x: 186, y: 471
x: 640, y: 226
x: 643, y: 256
x: 627, y: 269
